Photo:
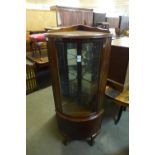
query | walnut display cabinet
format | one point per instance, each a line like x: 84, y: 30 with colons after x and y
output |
x: 79, y: 58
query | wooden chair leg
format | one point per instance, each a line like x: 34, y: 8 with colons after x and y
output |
x: 35, y: 48
x: 32, y: 47
x: 124, y: 108
x: 118, y: 116
x: 39, y: 49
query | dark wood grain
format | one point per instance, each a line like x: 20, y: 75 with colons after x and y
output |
x: 80, y: 127
x: 104, y: 67
x: 118, y: 64
x: 72, y: 16
x: 87, y: 123
x: 77, y: 27
x: 52, y: 55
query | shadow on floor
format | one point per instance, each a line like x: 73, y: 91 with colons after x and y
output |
x: 87, y: 150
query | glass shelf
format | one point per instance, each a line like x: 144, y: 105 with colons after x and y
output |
x: 72, y: 108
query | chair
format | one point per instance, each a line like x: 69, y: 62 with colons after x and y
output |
x: 104, y: 25
x: 123, y: 27
x: 124, y: 23
x: 31, y: 82
x: 99, y: 17
x: 120, y: 98
x: 99, y: 20
x: 37, y: 41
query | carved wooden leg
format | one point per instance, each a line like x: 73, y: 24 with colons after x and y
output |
x: 117, y: 118
x: 91, y: 142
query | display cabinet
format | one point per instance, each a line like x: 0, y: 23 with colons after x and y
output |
x: 79, y: 58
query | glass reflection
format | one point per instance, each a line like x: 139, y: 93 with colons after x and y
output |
x: 79, y: 73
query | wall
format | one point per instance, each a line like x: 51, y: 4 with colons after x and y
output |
x: 39, y: 19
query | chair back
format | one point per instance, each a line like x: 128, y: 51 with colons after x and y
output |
x: 31, y: 82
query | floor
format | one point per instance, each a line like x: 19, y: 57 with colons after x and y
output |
x: 44, y: 138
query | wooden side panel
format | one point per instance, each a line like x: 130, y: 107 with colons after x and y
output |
x: 118, y: 64
x: 80, y: 128
x: 104, y: 67
x: 52, y: 55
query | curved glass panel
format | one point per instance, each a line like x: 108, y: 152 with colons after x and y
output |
x: 79, y: 75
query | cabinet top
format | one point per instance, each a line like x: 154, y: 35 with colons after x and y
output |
x: 77, y: 34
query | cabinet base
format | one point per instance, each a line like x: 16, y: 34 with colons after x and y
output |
x: 80, y: 128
